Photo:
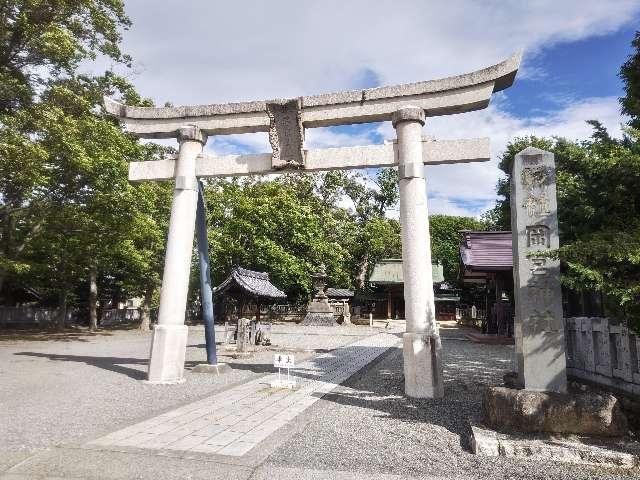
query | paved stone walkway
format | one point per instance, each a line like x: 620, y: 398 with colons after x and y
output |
x: 235, y: 421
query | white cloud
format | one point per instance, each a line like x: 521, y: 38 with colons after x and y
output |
x: 444, y: 205
x: 475, y: 182
x: 327, y: 138
x: 236, y: 144
x: 205, y: 52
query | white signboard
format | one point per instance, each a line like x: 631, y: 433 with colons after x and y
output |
x: 283, y: 360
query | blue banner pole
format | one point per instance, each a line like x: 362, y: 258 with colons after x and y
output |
x: 206, y: 294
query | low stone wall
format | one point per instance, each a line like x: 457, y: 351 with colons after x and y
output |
x: 604, y: 353
x: 31, y: 317
x: 122, y: 316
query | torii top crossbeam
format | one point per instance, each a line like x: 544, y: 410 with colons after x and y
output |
x: 461, y: 93
x: 286, y: 120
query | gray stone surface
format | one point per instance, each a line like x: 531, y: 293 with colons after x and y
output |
x: 621, y: 454
x: 368, y: 427
x: 191, y: 133
x: 603, y: 352
x: 170, y: 335
x: 82, y: 386
x: 242, y: 340
x: 539, y: 326
x: 587, y: 413
x: 168, y: 347
x: 407, y: 115
x: 422, y: 353
x: 234, y: 422
x: 501, y: 74
x: 364, y: 429
x: 319, y: 312
x: 319, y: 319
x: 286, y: 134
x: 216, y: 369
x: 434, y: 152
x: 450, y: 95
x: 423, y: 365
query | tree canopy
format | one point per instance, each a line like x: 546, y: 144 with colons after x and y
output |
x: 630, y: 76
x: 45, y: 39
x: 290, y: 225
x: 66, y: 207
x: 445, y: 241
x: 598, y: 188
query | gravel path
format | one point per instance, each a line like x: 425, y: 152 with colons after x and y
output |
x: 367, y: 425
x: 75, y: 388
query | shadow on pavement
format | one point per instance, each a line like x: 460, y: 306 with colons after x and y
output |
x: 113, y: 364
x: 69, y: 335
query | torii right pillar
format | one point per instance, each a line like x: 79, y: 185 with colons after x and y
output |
x: 421, y: 341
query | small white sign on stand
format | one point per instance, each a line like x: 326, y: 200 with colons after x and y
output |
x: 280, y: 361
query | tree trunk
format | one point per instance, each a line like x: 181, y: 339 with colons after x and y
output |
x: 93, y: 298
x: 62, y: 312
x: 145, y: 316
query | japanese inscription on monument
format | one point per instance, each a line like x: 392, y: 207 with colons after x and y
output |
x: 539, y: 332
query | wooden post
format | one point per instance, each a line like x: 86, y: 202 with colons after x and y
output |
x: 257, y: 309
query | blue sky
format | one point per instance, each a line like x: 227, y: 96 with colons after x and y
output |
x: 210, y: 52
x: 572, y: 71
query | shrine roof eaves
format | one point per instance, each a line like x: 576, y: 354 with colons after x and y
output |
x: 251, y: 282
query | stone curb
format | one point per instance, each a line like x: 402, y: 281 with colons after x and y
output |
x: 490, y: 443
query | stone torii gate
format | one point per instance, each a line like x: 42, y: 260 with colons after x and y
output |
x: 285, y: 121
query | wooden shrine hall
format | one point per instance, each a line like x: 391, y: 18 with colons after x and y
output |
x: 247, y: 290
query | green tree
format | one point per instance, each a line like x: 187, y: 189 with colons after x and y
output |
x: 68, y: 216
x: 81, y: 213
x: 372, y: 235
x: 272, y: 226
x: 445, y: 241
x: 630, y: 75
x: 598, y: 188
x: 290, y: 225
x: 44, y: 39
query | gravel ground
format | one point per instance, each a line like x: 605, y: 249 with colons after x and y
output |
x: 367, y: 425
x: 66, y: 388
x: 78, y: 387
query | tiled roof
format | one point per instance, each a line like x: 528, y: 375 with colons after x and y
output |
x: 253, y: 283
x: 486, y: 251
x: 339, y: 293
x: 389, y: 271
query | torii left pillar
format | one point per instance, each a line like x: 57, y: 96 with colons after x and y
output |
x: 169, y: 343
x: 421, y: 341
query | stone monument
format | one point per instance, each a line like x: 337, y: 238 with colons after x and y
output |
x: 243, y: 336
x: 346, y: 313
x: 319, y: 312
x: 285, y: 120
x: 539, y: 325
x: 540, y: 404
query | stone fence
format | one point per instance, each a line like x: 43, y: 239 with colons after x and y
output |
x: 604, y: 353
x: 470, y: 316
x: 120, y: 316
x: 20, y: 317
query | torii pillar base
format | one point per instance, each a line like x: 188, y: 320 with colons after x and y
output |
x: 168, y: 349
x: 422, y: 365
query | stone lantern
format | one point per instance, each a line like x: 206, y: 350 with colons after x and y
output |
x: 319, y: 312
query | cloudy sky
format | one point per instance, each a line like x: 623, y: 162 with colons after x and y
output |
x: 203, y: 51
